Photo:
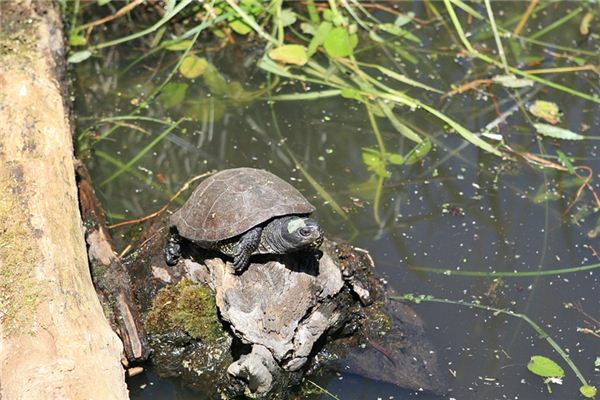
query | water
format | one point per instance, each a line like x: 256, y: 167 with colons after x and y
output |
x: 459, y: 208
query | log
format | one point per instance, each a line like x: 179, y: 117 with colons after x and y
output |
x: 55, y: 342
x: 109, y: 275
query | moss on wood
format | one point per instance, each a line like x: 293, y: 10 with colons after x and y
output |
x: 188, y: 307
x: 20, y: 293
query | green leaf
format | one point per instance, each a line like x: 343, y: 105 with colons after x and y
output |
x: 395, y: 158
x: 79, y: 56
x: 372, y: 159
x: 404, y: 79
x: 240, y: 27
x: 566, y: 161
x: 588, y: 391
x: 511, y: 81
x: 288, y: 17
x: 181, y: 45
x: 556, y: 132
x: 289, y: 54
x: 545, y: 367
x: 546, y: 110
x: 338, y: 43
x: 173, y: 94
x: 307, y: 28
x: 349, y: 93
x: 397, y: 31
x: 404, y: 19
x: 418, y: 152
x: 402, y: 128
x: 375, y: 37
x: 192, y: 67
x: 319, y: 37
x: 75, y: 39
x: 597, y: 362
x: 327, y: 15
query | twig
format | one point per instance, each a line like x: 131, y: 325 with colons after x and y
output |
x: 525, y: 17
x: 122, y: 11
x: 163, y: 208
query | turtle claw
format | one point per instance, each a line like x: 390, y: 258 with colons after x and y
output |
x: 240, y: 263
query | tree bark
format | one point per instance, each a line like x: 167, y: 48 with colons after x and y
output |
x: 55, y: 342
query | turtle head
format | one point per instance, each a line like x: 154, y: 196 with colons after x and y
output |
x: 301, y: 233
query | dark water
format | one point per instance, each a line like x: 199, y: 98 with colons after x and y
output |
x: 459, y: 208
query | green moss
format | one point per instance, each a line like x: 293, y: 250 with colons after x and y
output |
x: 187, y: 307
x: 20, y: 292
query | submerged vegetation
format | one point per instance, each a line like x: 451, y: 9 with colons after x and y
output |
x: 425, y: 82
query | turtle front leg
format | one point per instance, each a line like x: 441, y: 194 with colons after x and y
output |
x: 244, y: 248
x: 173, y: 249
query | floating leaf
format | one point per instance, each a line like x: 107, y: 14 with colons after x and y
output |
x: 511, y: 81
x: 545, y: 367
x: 173, y: 94
x: 181, y: 45
x: 288, y: 17
x: 79, y: 56
x: 319, y: 37
x: 289, y: 54
x: 404, y: 19
x: 546, y: 110
x: 418, y: 152
x: 192, y: 67
x: 307, y: 28
x: 588, y: 391
x: 240, y: 27
x: 339, y: 43
x: 556, y: 132
x: 397, y: 31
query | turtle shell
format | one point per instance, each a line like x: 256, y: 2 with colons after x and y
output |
x: 233, y: 201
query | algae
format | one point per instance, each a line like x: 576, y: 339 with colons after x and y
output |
x: 20, y: 293
x: 187, y: 307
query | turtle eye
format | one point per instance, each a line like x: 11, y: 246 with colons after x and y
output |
x: 305, y: 231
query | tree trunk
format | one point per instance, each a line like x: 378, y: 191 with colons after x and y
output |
x: 55, y: 343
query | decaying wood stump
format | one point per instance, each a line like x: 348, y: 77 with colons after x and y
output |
x: 260, y: 332
x: 109, y: 276
x: 55, y: 343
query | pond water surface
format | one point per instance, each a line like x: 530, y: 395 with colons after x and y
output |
x: 457, y: 209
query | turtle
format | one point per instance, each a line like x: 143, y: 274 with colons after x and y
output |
x: 241, y: 212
